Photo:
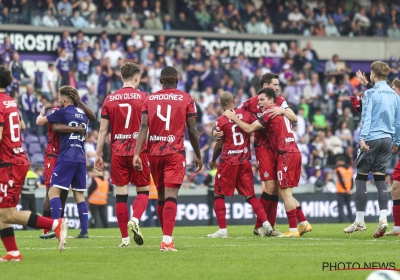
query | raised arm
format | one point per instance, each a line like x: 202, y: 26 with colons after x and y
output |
x: 194, y: 141
x: 75, y: 96
x: 248, y: 128
x: 41, y: 119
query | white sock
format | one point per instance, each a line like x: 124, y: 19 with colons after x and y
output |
x: 382, y: 214
x: 126, y: 239
x: 135, y: 219
x: 293, y: 229
x: 396, y: 228
x: 359, y: 217
x: 303, y: 223
x: 223, y: 230
x: 55, y: 224
x: 13, y: 253
x: 167, y: 239
x: 266, y: 224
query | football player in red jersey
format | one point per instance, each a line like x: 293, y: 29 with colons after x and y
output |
x: 265, y: 158
x: 234, y: 169
x: 14, y: 166
x: 163, y: 116
x: 51, y: 155
x: 287, y: 157
x: 122, y: 110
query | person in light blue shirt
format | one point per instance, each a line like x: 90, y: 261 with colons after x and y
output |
x: 379, y: 134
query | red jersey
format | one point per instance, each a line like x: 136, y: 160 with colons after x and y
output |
x: 279, y: 133
x: 251, y: 105
x: 53, y: 146
x: 236, y: 149
x: 168, y: 110
x: 122, y: 109
x: 11, y: 150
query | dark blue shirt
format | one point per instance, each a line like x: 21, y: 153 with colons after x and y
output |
x: 71, y: 145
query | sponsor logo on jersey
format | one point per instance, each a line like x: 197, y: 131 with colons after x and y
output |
x: 79, y: 116
x: 289, y: 139
x: 266, y: 174
x: 134, y: 135
x: 9, y: 103
x: 18, y: 150
x: 169, y: 138
x: 285, y: 168
x: 170, y: 96
x: 124, y: 96
x: 235, y: 152
x: 123, y: 136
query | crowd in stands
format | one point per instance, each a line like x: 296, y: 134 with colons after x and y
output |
x: 327, y: 126
x: 300, y: 17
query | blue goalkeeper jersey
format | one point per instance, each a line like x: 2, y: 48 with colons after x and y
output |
x: 380, y: 116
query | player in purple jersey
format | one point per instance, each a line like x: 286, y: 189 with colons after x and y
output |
x: 70, y: 168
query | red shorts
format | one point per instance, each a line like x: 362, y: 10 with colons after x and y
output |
x: 396, y: 172
x: 12, y: 178
x: 231, y: 177
x: 266, y: 163
x: 168, y: 171
x: 289, y: 169
x: 49, y: 164
x: 123, y: 173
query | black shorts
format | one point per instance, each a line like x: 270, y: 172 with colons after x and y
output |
x: 377, y: 158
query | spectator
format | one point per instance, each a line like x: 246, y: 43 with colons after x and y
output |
x: 84, y: 58
x: 16, y: 68
x: 113, y: 54
x: 90, y: 149
x: 236, y: 74
x: 135, y: 41
x: 49, y: 20
x: 182, y: 23
x: 35, y: 21
x: 331, y: 66
x: 88, y: 8
x: 97, y: 56
x: 301, y: 122
x: 63, y: 66
x: 304, y: 150
x: 48, y: 80
x: 319, y: 120
x: 78, y: 21
x: 379, y: 31
x: 104, y: 42
x: 252, y: 27
x: 362, y: 18
x: 6, y: 51
x: 203, y: 17
x: 346, y: 117
x: 322, y: 17
x: 92, y: 22
x: 153, y: 22
x: 104, y: 84
x: 91, y: 100
x: 255, y: 82
x: 63, y: 19
x: 29, y: 104
x: 394, y: 31
x: 79, y: 40
x: 266, y: 27
x: 344, y: 134
x: 293, y: 93
x: 66, y: 44
x: 65, y: 5
x: 116, y: 78
x: 296, y: 15
x: 331, y: 30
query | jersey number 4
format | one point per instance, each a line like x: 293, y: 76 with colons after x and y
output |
x: 166, y: 119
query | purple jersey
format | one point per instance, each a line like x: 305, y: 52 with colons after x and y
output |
x: 63, y: 65
x: 71, y: 145
x: 12, y: 86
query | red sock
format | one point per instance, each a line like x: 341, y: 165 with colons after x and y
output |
x: 169, y: 216
x: 8, y: 239
x: 220, y: 211
x: 140, y: 204
x: 300, y: 215
x: 43, y: 222
x: 265, y: 201
x: 122, y: 217
x: 272, y: 210
x: 396, y: 215
x: 291, y: 215
x: 160, y: 210
x: 257, y: 208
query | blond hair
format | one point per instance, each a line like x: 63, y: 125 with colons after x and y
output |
x: 380, y: 69
x: 396, y: 83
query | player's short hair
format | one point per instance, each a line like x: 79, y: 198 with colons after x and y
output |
x: 129, y: 70
x: 267, y: 78
x: 169, y: 75
x: 270, y: 93
x: 381, y: 69
x: 226, y: 98
x: 5, y: 77
x: 396, y: 83
x: 66, y: 92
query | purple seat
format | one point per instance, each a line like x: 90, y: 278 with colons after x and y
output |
x: 34, y: 148
x: 37, y: 158
x: 30, y: 138
x: 43, y: 139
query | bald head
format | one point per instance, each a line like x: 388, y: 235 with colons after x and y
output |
x: 226, y: 100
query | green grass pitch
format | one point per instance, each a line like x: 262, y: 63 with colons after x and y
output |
x: 241, y: 256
